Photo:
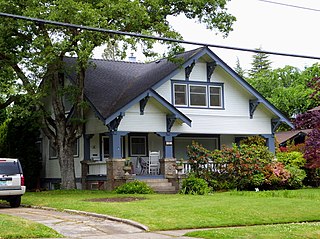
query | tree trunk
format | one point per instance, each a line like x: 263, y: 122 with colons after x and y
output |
x: 66, y: 161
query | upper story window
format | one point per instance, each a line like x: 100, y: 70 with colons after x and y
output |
x: 193, y: 94
x: 180, y: 94
x: 215, y: 96
x: 198, y: 95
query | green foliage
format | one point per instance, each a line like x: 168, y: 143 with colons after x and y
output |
x: 287, y: 88
x: 18, y: 137
x: 260, y: 64
x: 247, y: 166
x: 294, y: 162
x: 254, y: 140
x: 195, y: 186
x: 293, y: 158
x: 31, y: 55
x: 135, y: 187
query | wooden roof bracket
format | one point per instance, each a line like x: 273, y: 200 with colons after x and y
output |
x: 275, y: 123
x: 170, y: 121
x: 114, y: 124
x: 188, y: 69
x: 253, y: 104
x: 143, y: 104
x: 211, y: 66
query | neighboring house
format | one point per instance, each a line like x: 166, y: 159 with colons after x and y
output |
x: 295, y: 136
x: 162, y: 106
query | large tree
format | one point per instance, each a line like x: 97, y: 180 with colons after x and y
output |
x: 260, y: 64
x: 287, y: 88
x: 32, y: 54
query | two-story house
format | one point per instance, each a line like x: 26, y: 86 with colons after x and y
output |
x: 162, y: 106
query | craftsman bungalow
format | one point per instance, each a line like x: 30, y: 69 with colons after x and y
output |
x: 158, y: 108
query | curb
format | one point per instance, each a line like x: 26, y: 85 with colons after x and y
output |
x: 91, y: 214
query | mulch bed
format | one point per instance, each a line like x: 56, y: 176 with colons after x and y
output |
x: 124, y: 199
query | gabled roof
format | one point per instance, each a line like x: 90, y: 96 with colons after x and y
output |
x: 111, y: 86
x: 284, y: 136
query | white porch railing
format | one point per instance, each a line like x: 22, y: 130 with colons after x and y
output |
x: 186, y: 167
x: 97, y: 168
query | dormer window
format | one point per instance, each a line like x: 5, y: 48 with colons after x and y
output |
x: 198, y: 95
x: 180, y: 94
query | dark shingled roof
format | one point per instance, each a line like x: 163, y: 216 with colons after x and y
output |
x: 110, y: 85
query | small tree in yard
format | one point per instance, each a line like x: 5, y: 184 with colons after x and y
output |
x: 32, y: 54
x: 311, y: 120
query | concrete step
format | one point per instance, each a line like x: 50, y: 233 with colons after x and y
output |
x: 160, y: 185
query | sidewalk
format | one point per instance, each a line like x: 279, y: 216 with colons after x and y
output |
x: 75, y: 224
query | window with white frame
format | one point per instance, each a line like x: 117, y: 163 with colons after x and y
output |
x: 180, y: 94
x: 198, y: 95
x: 215, y: 96
x: 53, y: 152
x: 192, y: 94
x: 138, y: 145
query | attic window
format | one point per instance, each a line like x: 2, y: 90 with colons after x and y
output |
x: 180, y: 94
x: 215, y: 96
x: 198, y: 95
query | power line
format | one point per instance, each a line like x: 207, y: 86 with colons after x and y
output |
x: 289, y: 5
x: 102, y: 30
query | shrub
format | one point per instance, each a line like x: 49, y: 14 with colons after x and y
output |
x: 254, y: 140
x: 296, y: 177
x: 135, y: 187
x: 293, y: 158
x: 195, y: 186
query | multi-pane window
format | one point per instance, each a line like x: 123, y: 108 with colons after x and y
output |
x: 138, y: 146
x: 53, y: 151
x: 180, y: 94
x: 198, y: 95
x: 215, y: 96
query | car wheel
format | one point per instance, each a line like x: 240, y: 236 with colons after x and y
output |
x: 15, y: 202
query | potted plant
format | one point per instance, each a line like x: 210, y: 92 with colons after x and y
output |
x: 127, y: 166
x: 179, y: 165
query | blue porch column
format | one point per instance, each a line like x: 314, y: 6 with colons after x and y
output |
x: 115, y: 147
x: 270, y: 142
x: 168, y: 143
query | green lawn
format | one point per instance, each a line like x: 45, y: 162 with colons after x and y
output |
x: 164, y: 212
x: 14, y: 227
x: 282, y: 231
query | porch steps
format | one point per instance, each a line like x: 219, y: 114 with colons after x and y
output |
x: 160, y: 185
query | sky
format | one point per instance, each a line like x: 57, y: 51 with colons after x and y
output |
x: 272, y: 27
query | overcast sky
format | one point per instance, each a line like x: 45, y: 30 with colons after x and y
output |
x: 261, y: 24
x: 272, y: 27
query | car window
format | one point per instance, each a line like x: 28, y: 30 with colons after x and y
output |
x: 9, y: 168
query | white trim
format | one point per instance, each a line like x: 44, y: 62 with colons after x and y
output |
x: 185, y: 96
x: 220, y: 94
x: 206, y: 95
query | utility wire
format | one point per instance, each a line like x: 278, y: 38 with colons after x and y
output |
x: 289, y: 5
x: 102, y: 30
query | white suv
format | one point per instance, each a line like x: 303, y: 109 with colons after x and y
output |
x: 11, y: 181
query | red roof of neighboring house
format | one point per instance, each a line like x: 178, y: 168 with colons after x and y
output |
x: 287, y: 135
x: 315, y: 109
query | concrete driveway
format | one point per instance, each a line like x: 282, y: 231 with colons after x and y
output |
x: 74, y: 224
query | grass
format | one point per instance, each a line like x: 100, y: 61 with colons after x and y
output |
x: 284, y: 231
x: 14, y: 227
x: 165, y: 212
